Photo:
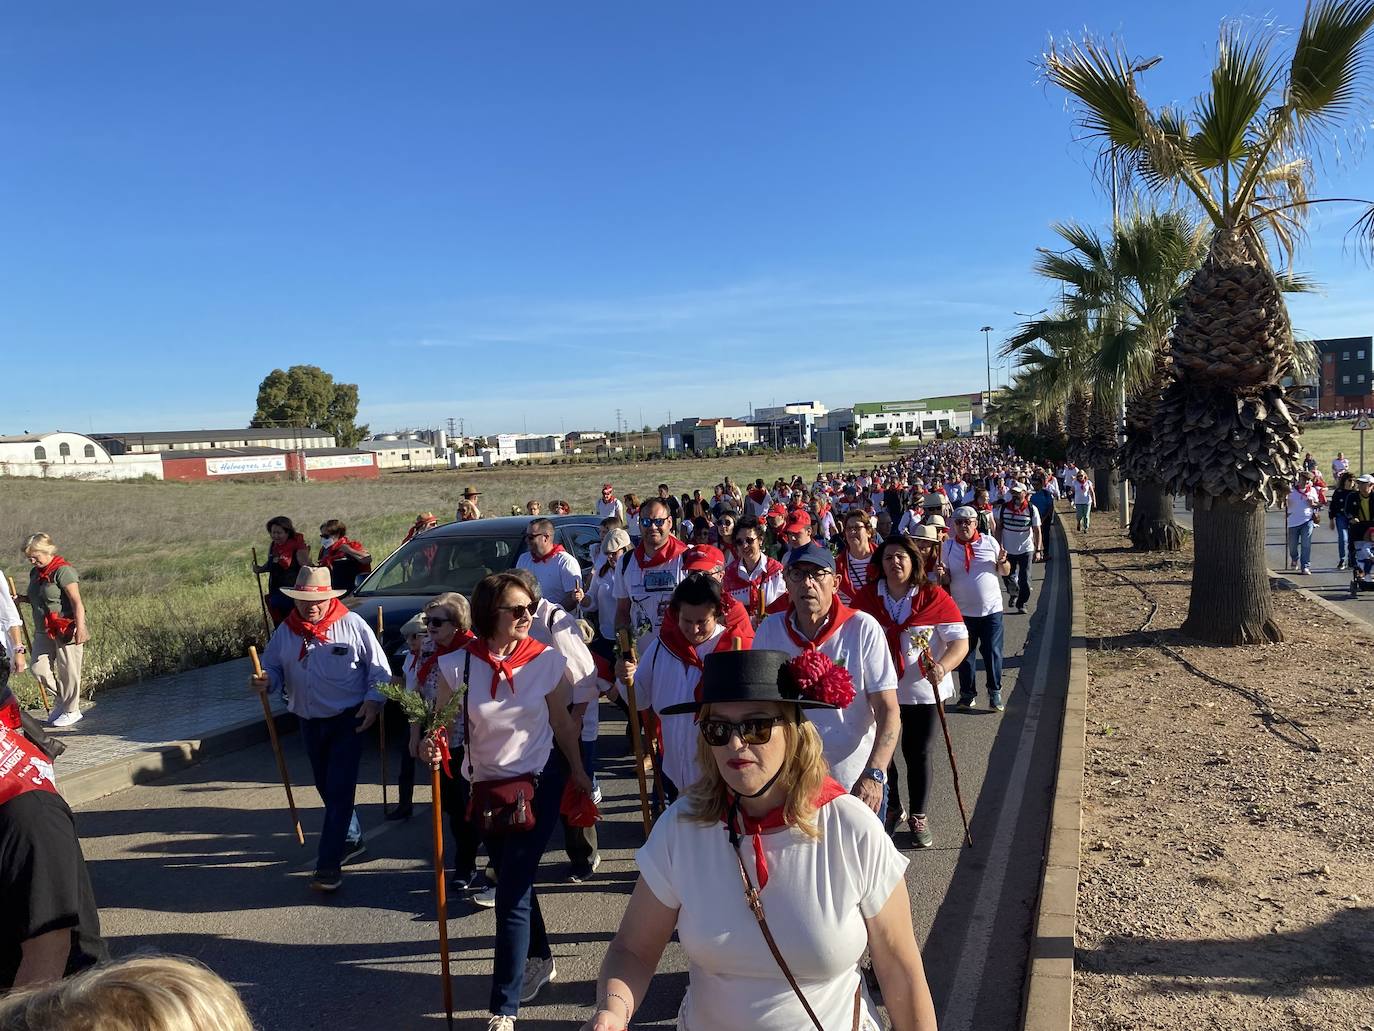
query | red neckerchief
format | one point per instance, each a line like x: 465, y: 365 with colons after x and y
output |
x: 931, y: 606
x: 506, y: 667
x: 670, y: 550
x: 285, y: 553
x: 415, y: 529
x: 737, y: 581
x: 1009, y: 507
x: 839, y: 613
x: 772, y: 820
x: 23, y: 768
x: 461, y: 638
x: 757, y: 495
x: 557, y: 549
x: 318, y: 631
x: 846, y: 588
x: 46, y: 574
x: 968, y: 550
x: 335, y: 551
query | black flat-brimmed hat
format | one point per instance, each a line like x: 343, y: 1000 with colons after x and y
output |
x: 747, y: 676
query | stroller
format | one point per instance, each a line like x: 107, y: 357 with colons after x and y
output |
x: 1362, y: 559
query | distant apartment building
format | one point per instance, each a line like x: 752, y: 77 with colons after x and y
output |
x: 1345, y: 380
x: 924, y: 417
x: 723, y: 433
x: 397, y: 452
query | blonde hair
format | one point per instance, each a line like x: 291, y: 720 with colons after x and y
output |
x: 803, y: 772
x: 144, y: 993
x: 455, y: 605
x: 38, y: 543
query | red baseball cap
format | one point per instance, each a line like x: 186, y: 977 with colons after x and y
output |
x: 799, y: 521
x: 777, y: 510
x: 702, y: 559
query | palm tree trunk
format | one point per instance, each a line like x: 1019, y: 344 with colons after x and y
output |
x: 1105, y: 484
x: 1230, y: 603
x: 1152, y: 521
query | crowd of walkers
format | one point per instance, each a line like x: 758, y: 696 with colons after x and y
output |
x: 785, y: 642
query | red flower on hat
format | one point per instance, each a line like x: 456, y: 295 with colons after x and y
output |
x: 821, y: 680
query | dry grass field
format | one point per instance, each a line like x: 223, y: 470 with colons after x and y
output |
x: 165, y: 566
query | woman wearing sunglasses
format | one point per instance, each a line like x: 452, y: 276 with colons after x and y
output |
x: 927, y: 638
x: 766, y: 813
x: 515, y: 711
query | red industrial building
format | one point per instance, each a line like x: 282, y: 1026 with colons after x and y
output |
x: 267, y: 463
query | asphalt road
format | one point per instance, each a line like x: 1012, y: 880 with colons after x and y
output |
x: 205, y: 864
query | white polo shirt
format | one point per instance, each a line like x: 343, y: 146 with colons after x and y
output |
x: 557, y: 574
x: 661, y: 680
x: 976, y: 590
x: 847, y: 735
x: 649, y: 590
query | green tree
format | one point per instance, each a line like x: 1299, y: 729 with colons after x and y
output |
x: 1245, y: 156
x: 306, y: 396
x: 895, y: 442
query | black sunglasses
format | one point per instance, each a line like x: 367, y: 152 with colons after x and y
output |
x: 440, y: 621
x: 517, y: 611
x: 752, y: 732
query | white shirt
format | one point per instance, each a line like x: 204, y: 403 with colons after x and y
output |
x: 511, y: 733
x: 911, y: 519
x: 978, y: 590
x: 1340, y: 465
x: 1082, y: 492
x: 847, y: 734
x: 600, y: 600
x: 913, y: 688
x: 772, y: 587
x: 9, y: 615
x: 649, y: 590
x: 556, y: 627
x: 614, y: 507
x: 1302, y: 505
x: 557, y: 574
x: 819, y: 893
x: 661, y: 680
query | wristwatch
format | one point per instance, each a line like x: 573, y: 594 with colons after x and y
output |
x: 876, y: 775
x: 19, y: 649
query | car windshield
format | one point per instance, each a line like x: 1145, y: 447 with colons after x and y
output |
x: 432, y: 565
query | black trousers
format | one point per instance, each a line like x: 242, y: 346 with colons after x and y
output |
x: 918, y: 744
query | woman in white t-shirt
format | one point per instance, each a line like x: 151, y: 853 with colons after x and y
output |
x: 829, y: 882
x: 928, y: 639
x: 515, y: 710
x: 1084, y: 497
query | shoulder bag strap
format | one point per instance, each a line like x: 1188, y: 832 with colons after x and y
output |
x: 467, y: 726
x: 751, y: 896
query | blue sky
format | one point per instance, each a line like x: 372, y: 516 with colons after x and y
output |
x: 531, y: 214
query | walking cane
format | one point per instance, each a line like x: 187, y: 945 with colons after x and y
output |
x: 949, y: 747
x: 262, y: 600
x: 441, y: 892
x: 276, y: 746
x: 627, y: 648
x: 381, y: 719
x: 28, y: 646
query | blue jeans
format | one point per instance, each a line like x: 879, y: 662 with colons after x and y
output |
x: 984, y: 638
x: 1300, y: 540
x: 519, y: 923
x: 334, y: 748
x: 1342, y: 538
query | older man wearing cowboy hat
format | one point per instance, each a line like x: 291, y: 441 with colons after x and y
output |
x: 470, y: 495
x: 328, y: 661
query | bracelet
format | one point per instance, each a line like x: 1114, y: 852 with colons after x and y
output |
x: 629, y: 1010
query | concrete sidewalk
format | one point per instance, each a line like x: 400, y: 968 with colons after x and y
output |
x: 142, y: 731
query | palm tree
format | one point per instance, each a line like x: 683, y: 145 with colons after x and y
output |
x: 1244, y: 156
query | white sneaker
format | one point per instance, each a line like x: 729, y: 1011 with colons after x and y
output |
x: 500, y: 1023
x: 67, y: 719
x: 486, y: 899
x: 538, y: 973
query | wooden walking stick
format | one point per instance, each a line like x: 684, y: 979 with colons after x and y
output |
x: 381, y: 719
x: 262, y: 599
x: 28, y: 646
x: 627, y: 649
x: 928, y: 661
x: 276, y: 746
x: 441, y: 892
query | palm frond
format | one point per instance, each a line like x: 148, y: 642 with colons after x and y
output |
x: 1242, y: 80
x: 1291, y: 282
x: 1328, y: 61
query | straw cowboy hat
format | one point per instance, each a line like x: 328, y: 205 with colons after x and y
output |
x: 312, y: 584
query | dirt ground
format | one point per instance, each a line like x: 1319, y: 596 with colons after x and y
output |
x: 1228, y: 868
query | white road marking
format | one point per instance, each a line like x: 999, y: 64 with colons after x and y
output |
x: 977, y: 949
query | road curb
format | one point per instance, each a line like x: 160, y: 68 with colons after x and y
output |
x: 1289, y: 584
x: 1049, y: 973
x: 163, y: 760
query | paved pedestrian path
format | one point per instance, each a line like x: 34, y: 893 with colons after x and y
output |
x: 126, y: 724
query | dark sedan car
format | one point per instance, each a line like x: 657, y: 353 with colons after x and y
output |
x: 455, y: 557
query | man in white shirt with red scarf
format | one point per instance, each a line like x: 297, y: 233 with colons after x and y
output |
x: 558, y: 573
x: 859, y: 739
x: 649, y: 574
x: 974, y: 565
